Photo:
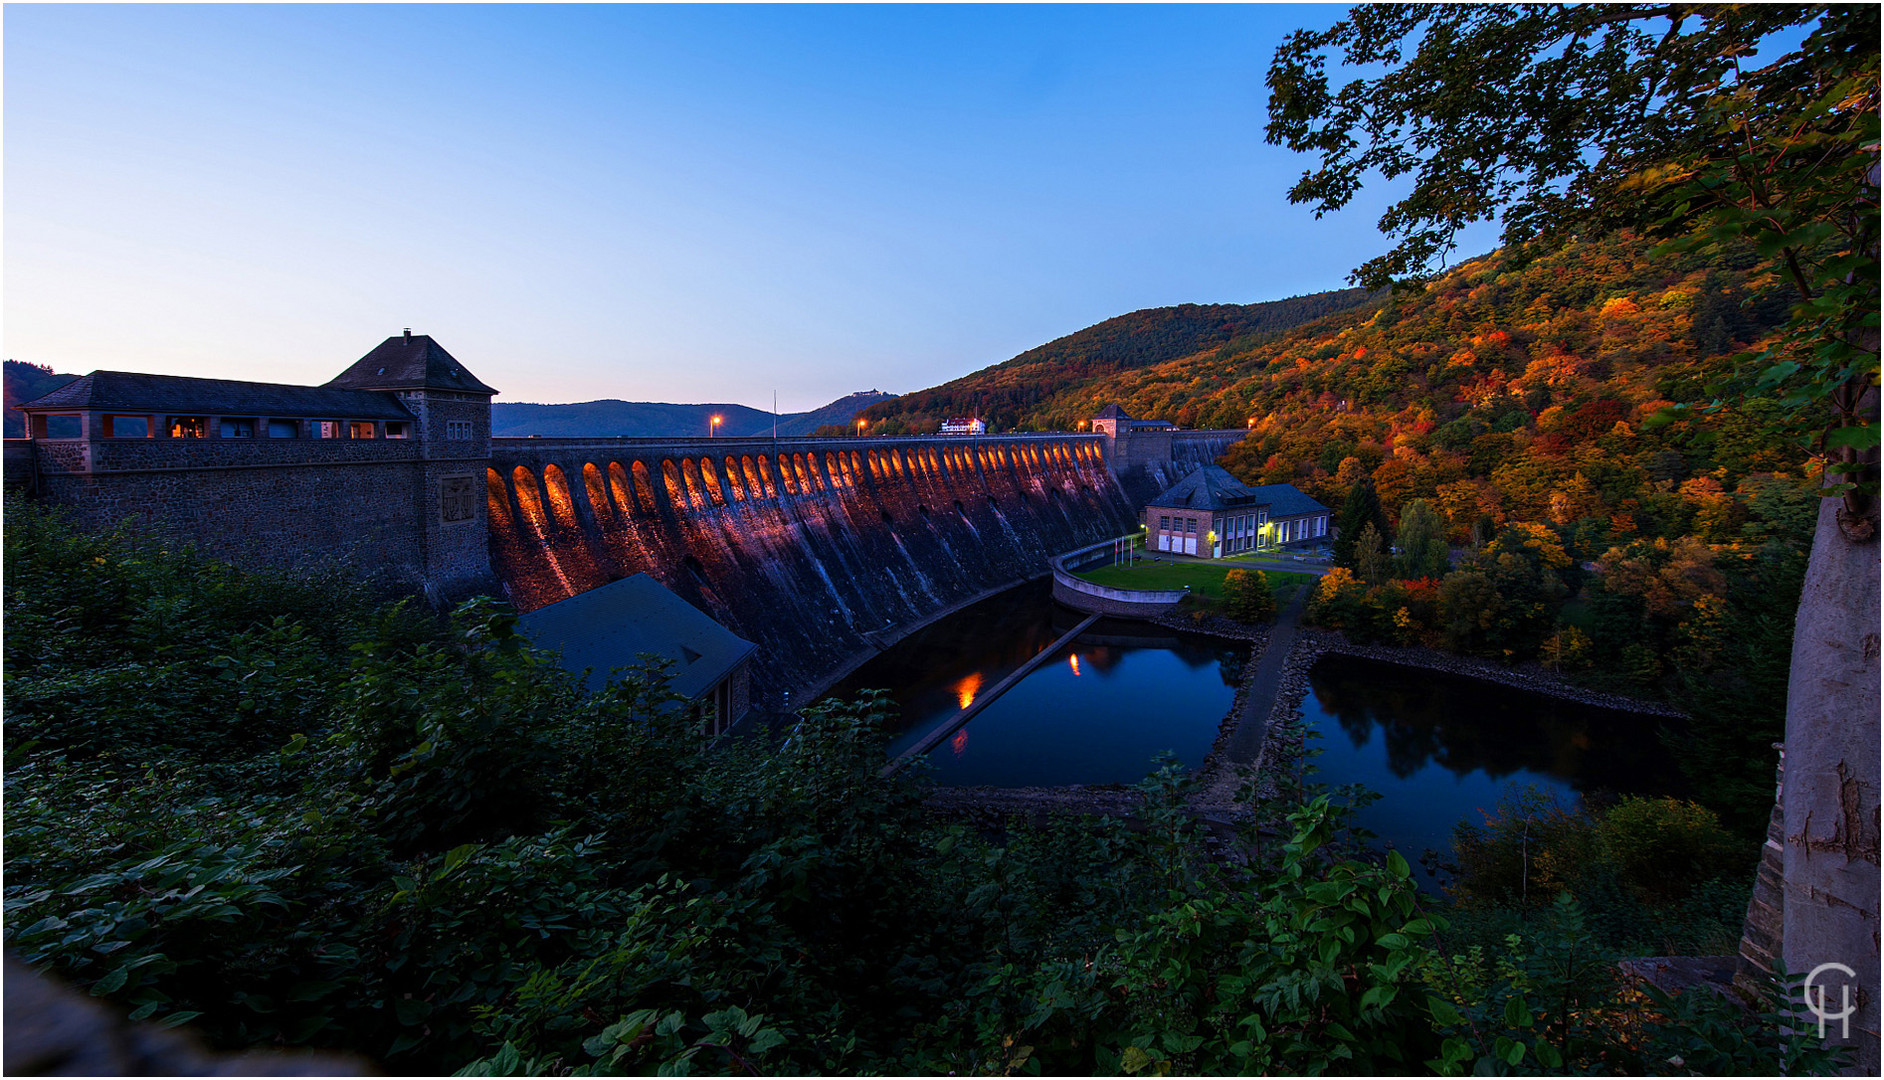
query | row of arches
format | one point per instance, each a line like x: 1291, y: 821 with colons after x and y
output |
x: 701, y: 483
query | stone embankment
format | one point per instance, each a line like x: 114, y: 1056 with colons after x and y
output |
x: 1522, y: 677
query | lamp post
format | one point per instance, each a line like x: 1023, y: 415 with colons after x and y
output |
x: 713, y: 426
x: 860, y: 427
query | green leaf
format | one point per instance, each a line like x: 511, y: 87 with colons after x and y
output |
x: 1857, y: 436
x: 111, y: 983
x: 1516, y: 1014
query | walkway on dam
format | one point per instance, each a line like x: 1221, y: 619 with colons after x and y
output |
x: 1260, y: 701
x: 954, y: 723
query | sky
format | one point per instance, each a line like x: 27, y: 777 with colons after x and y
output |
x: 653, y: 203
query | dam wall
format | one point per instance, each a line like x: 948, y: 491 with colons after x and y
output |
x: 822, y: 551
x: 1150, y: 462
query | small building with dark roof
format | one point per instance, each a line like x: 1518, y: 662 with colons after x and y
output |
x: 630, y: 622
x: 1211, y: 513
x: 1113, y: 422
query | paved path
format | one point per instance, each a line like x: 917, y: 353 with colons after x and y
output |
x: 1253, y: 724
x: 1236, y: 562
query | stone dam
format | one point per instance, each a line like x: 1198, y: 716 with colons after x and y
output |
x: 821, y: 551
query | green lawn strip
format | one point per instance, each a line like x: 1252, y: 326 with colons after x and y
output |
x: 1204, y: 579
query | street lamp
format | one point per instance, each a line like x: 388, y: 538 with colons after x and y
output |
x: 713, y: 426
x: 860, y: 427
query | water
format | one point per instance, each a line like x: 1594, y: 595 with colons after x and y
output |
x: 1097, y: 712
x: 1442, y: 748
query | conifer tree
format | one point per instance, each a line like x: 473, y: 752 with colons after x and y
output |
x: 1361, y: 509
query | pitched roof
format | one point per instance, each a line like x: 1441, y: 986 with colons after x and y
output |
x: 612, y: 626
x: 1112, y: 412
x: 409, y: 362
x: 135, y: 392
x: 1285, y: 500
x: 1208, y: 488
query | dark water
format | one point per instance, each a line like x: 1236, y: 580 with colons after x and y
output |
x: 1443, y: 748
x: 1097, y: 712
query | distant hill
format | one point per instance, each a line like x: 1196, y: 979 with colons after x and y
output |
x: 24, y: 382
x: 1036, y: 388
x: 646, y: 419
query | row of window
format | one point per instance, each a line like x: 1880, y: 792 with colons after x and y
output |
x: 71, y: 426
x: 1182, y: 524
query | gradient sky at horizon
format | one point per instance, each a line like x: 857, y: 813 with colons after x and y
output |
x: 693, y: 204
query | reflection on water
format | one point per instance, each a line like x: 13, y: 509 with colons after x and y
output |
x: 1097, y: 713
x: 1443, y: 748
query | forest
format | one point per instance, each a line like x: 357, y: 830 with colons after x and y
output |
x: 351, y: 823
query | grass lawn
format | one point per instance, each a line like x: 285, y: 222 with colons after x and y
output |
x: 1205, y: 579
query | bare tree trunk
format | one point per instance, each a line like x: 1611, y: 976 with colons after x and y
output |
x: 1831, y: 793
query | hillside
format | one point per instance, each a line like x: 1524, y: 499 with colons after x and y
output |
x: 645, y: 419
x: 1031, y: 390
x: 24, y: 382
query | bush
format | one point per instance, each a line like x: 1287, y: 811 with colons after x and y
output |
x: 1247, y: 597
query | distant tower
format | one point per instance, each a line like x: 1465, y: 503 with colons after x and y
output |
x: 1110, y: 419
x: 454, y: 435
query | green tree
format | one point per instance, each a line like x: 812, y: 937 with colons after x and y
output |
x: 1424, y: 552
x: 1371, y: 559
x: 1359, y: 510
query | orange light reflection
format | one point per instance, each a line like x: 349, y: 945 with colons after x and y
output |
x: 966, y: 690
x: 960, y: 742
x: 1074, y: 660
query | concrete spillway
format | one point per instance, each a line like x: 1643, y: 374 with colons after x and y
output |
x: 820, y: 551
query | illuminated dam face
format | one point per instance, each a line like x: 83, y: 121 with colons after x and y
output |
x: 820, y: 551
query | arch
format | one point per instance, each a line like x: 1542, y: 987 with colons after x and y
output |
x: 670, y: 482
x: 620, y: 486
x: 833, y: 469
x: 735, y: 484
x: 696, y: 488
x: 529, y: 497
x: 772, y: 488
x: 935, y: 462
x: 557, y: 487
x: 710, y: 477
x: 856, y: 464
x: 786, y: 481
x: 896, y: 460
x: 644, y: 488
x: 599, y: 505
x: 754, y: 487
x: 499, y: 498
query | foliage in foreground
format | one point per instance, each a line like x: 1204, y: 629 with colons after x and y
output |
x: 288, y: 815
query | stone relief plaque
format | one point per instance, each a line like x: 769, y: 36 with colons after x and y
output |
x: 457, y: 498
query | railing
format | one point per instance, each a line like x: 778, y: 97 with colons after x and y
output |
x: 1065, y: 578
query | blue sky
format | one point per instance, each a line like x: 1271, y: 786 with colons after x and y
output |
x: 652, y: 203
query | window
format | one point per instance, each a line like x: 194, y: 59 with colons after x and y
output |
x: 457, y: 429
x: 1164, y: 523
x: 128, y: 427
x: 323, y: 429
x: 395, y: 429
x: 360, y: 429
x: 58, y: 426
x: 189, y: 427
x: 1190, y: 526
x: 284, y: 429
x: 237, y: 427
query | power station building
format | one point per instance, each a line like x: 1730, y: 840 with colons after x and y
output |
x: 1211, y: 514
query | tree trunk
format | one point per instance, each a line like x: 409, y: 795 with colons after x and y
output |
x: 1831, y: 790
